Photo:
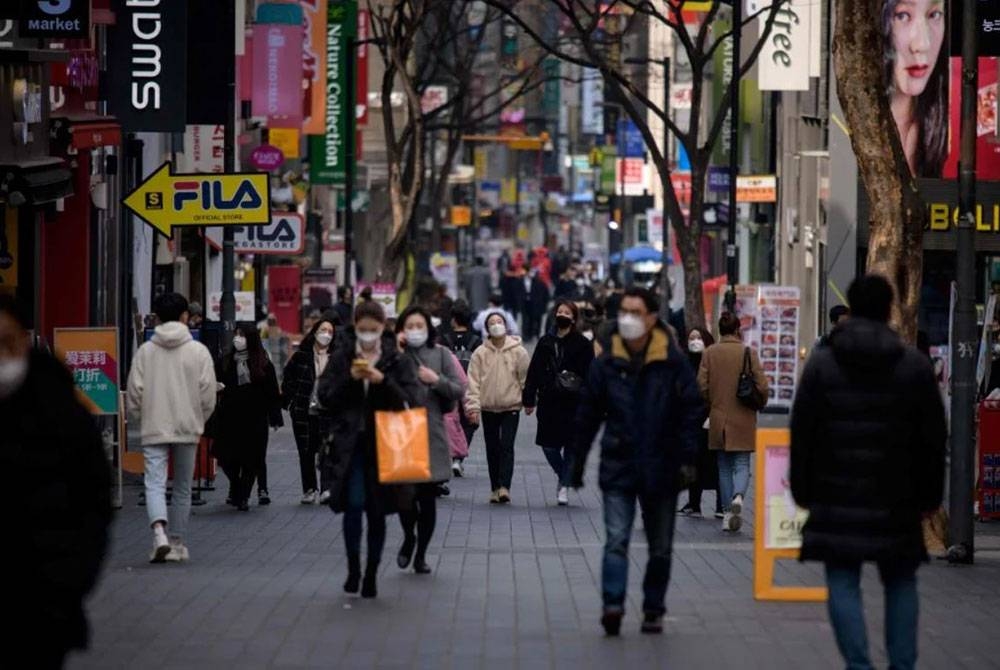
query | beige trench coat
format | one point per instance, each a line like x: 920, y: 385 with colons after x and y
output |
x: 732, y: 425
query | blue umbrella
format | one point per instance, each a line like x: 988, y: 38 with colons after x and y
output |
x: 639, y: 254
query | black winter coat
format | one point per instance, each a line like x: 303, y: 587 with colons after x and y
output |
x: 55, y: 509
x: 868, y: 438
x: 353, y: 416
x: 244, y: 415
x: 556, y: 410
x: 707, y: 463
x: 651, y: 417
x: 297, y: 383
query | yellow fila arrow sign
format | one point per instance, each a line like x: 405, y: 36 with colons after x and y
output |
x: 166, y: 199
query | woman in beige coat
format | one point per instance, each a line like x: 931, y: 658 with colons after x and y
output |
x: 497, y: 374
x: 732, y: 429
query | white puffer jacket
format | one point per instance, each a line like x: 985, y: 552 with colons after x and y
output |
x: 497, y: 376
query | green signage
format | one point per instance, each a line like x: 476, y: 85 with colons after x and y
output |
x: 328, y: 152
x: 609, y: 160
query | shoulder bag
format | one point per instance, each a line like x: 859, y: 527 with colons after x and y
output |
x: 746, y: 389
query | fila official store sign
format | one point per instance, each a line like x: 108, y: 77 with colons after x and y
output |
x: 54, y: 18
x: 148, y: 65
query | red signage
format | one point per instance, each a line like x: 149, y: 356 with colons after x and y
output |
x: 277, y: 73
x: 362, y: 74
x: 267, y: 158
x: 284, y: 296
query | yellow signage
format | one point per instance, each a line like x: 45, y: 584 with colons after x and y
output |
x: 461, y: 215
x: 942, y: 217
x: 166, y: 200
x: 286, y: 139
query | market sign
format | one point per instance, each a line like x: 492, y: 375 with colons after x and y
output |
x: 284, y: 235
x: 757, y: 188
x: 165, y: 200
x: 54, y: 18
x: 91, y: 355
x: 328, y: 152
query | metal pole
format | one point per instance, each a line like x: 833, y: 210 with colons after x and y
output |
x: 227, y: 305
x: 963, y: 389
x: 665, y: 256
x: 734, y: 156
x: 349, y: 133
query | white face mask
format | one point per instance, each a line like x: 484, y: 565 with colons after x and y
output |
x: 589, y: 334
x: 324, y: 339
x: 416, y: 337
x: 13, y: 372
x: 240, y: 343
x: 436, y: 322
x: 498, y: 330
x: 696, y: 346
x: 631, y: 327
x: 368, y: 337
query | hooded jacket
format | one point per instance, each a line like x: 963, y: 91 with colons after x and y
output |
x: 868, y: 438
x: 172, y: 386
x: 497, y: 377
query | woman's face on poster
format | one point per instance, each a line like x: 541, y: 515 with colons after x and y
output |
x: 918, y: 29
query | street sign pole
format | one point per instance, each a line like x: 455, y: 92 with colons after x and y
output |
x: 227, y: 305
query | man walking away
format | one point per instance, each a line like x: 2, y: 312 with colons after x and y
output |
x: 643, y: 390
x: 839, y: 314
x: 478, y: 284
x: 868, y: 438
x: 171, y: 389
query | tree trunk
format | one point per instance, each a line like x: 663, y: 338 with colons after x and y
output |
x: 897, y: 214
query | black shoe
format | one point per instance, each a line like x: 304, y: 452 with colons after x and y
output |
x: 244, y: 506
x: 368, y: 588
x: 263, y: 498
x: 406, y: 553
x: 420, y: 566
x: 443, y: 491
x: 652, y: 623
x: 688, y: 510
x: 230, y: 502
x: 612, y: 622
x: 353, y: 582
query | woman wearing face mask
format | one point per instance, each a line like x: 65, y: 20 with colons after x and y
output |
x: 700, y: 339
x: 366, y: 373
x: 250, y: 403
x: 497, y: 374
x: 437, y: 373
x: 556, y: 375
x: 310, y: 420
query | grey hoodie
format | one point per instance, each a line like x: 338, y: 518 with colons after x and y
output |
x: 172, y: 387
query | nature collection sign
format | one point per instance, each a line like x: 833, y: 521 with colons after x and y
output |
x: 328, y: 152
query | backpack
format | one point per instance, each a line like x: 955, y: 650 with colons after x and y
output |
x: 463, y: 348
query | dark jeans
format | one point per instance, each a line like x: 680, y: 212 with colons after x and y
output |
x: 423, y: 517
x: 241, y: 477
x: 899, y: 579
x: 358, y: 504
x: 468, y: 427
x: 558, y: 458
x: 308, y: 449
x: 694, y: 498
x: 658, y: 514
x: 499, y: 431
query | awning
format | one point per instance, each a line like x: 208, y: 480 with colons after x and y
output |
x: 85, y: 133
x: 35, y: 182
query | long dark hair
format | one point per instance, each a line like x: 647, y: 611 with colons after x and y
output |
x: 706, y: 337
x: 417, y: 309
x: 257, y: 359
x: 931, y: 107
x: 309, y: 341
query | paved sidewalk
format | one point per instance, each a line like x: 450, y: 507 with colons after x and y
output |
x: 513, y: 587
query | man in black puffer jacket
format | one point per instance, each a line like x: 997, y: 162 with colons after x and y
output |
x: 868, y: 438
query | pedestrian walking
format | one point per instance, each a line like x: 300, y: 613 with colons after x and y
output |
x: 732, y: 421
x: 445, y: 389
x: 707, y: 479
x: 495, y: 306
x: 276, y: 344
x: 311, y: 421
x: 366, y: 373
x: 497, y: 375
x: 56, y: 497
x: 249, y: 404
x: 538, y: 302
x: 554, y: 383
x: 345, y: 304
x: 642, y: 389
x: 457, y: 440
x: 478, y: 284
x: 171, y: 392
x: 463, y: 341
x: 867, y: 461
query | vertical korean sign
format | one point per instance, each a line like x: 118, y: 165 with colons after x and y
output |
x: 91, y: 354
x: 328, y: 152
x: 314, y: 64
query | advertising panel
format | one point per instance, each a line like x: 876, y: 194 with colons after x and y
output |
x: 314, y: 64
x: 91, y: 354
x: 779, y: 341
x: 783, y: 519
x: 328, y: 151
x: 277, y: 67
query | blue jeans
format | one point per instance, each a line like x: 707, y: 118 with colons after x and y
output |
x: 848, y: 617
x: 658, y: 514
x: 734, y: 476
x: 155, y: 458
x: 358, y: 505
x: 558, y: 458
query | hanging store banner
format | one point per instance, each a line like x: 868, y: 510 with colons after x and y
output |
x: 328, y: 152
x: 54, y: 18
x: 285, y: 140
x: 314, y: 64
x: 284, y: 236
x: 277, y: 71
x: 91, y: 355
x: 361, y: 96
x: 784, y: 60
x: 592, y: 103
x: 207, y: 24
x: 147, y: 66
x: 204, y: 146
x: 284, y: 296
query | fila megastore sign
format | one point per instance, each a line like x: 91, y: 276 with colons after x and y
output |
x: 148, y: 65
x: 54, y: 18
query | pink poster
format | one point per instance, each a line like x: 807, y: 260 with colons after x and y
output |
x: 277, y: 74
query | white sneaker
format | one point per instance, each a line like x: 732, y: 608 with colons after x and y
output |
x: 324, y: 497
x: 309, y: 497
x: 736, y: 506
x: 161, y: 545
x: 731, y: 522
x: 178, y: 553
x: 456, y: 468
x: 562, y: 497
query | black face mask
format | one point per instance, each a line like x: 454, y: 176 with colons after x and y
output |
x: 563, y: 322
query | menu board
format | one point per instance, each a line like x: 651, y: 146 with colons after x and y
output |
x: 778, y: 313
x: 783, y: 519
x: 747, y: 313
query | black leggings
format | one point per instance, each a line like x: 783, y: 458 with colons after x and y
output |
x: 499, y: 431
x: 423, y: 516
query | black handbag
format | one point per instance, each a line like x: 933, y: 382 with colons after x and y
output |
x: 565, y: 382
x: 746, y: 389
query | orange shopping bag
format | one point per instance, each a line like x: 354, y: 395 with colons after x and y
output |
x: 403, y: 446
